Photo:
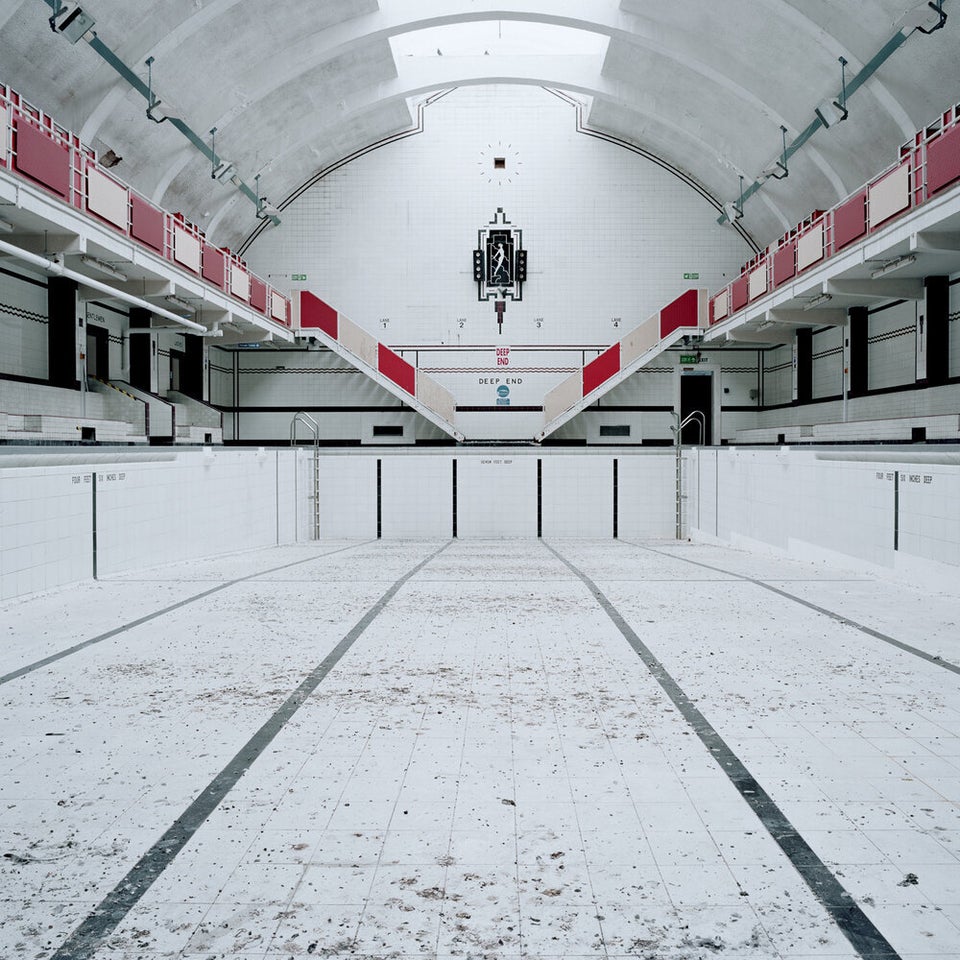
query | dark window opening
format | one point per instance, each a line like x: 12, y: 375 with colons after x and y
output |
x: 918, y: 434
x: 388, y: 430
x: 499, y: 163
x: 614, y: 430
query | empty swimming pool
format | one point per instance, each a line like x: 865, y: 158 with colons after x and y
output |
x: 484, y: 748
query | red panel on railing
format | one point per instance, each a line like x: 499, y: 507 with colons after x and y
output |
x: 739, y: 292
x: 943, y: 160
x: 258, y: 294
x: 146, y: 223
x: 785, y: 263
x: 683, y: 312
x: 601, y: 369
x: 392, y: 366
x: 850, y: 220
x: 317, y: 315
x: 41, y: 158
x: 214, y: 265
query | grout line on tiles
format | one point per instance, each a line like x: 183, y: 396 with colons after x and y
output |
x: 90, y: 935
x: 77, y: 647
x: 838, y: 617
x: 855, y: 925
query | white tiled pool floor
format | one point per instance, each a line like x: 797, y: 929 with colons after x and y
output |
x: 490, y: 770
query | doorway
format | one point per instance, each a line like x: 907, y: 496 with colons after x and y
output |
x: 176, y: 359
x: 98, y: 352
x: 696, y: 393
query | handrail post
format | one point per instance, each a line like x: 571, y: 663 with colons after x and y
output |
x: 700, y: 419
x: 301, y: 417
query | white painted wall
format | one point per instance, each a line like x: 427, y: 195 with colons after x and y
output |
x: 159, y: 508
x: 416, y: 497
x: 578, y: 496
x: 390, y: 236
x: 348, y: 496
x: 646, y: 495
x: 46, y: 534
x: 832, y: 502
x: 23, y: 327
x: 497, y: 495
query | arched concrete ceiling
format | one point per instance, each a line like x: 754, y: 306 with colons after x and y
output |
x: 294, y: 87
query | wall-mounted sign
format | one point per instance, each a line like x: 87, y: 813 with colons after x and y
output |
x: 691, y: 276
x: 298, y: 276
x: 686, y: 358
x: 500, y: 264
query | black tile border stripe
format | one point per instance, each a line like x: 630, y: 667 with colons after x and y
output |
x: 838, y: 617
x: 855, y: 925
x: 83, y: 943
x: 116, y: 631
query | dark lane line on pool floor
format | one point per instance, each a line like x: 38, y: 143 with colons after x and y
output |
x: 833, y: 615
x: 855, y: 925
x: 84, y: 942
x: 77, y: 647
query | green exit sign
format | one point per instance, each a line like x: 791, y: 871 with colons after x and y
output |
x: 686, y: 358
x: 691, y: 276
x: 298, y: 276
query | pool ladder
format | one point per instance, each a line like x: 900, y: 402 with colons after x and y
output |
x: 301, y: 417
x: 697, y: 417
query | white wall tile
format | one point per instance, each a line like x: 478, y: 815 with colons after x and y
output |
x: 578, y: 496
x: 646, y: 495
x: 348, y: 497
x: 416, y: 497
x: 496, y: 496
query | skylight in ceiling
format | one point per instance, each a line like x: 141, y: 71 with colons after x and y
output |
x: 498, y: 38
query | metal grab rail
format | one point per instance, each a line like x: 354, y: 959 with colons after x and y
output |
x: 698, y: 417
x: 301, y: 417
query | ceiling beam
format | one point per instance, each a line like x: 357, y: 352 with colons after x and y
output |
x: 908, y: 288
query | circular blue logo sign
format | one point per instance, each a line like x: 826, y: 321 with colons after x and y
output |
x: 503, y: 391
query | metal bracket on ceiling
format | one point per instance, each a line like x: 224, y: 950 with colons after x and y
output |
x: 81, y: 25
x: 835, y: 110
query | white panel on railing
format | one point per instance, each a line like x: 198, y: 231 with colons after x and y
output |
x: 721, y: 305
x: 563, y: 396
x: 186, y: 249
x: 359, y: 342
x: 106, y: 198
x: 639, y: 340
x: 432, y: 395
x: 758, y: 282
x: 810, y: 247
x: 278, y: 306
x: 889, y: 195
x: 239, y: 282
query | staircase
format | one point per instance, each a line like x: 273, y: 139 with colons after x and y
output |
x: 687, y: 316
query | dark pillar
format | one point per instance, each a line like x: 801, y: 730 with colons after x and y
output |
x: 805, y: 365
x: 63, y: 333
x: 141, y: 349
x: 857, y: 332
x: 937, y: 320
x: 192, y: 379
